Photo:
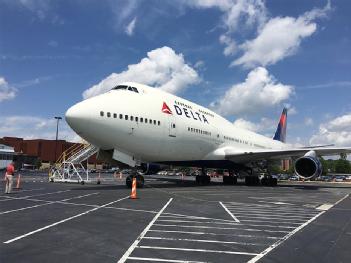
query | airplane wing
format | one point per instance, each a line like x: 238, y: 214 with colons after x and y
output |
x: 234, y: 155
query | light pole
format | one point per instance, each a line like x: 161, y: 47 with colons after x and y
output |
x: 57, y: 124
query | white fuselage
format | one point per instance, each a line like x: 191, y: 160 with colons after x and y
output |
x: 188, y: 132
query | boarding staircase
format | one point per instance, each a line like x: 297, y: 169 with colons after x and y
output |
x: 69, y: 167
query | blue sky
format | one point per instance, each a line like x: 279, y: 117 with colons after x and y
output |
x: 244, y: 59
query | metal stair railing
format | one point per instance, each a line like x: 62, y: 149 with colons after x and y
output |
x: 69, y: 167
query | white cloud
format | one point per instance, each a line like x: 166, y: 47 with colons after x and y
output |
x: 230, y: 48
x: 200, y: 64
x: 278, y: 38
x: 123, y: 12
x: 130, y: 27
x: 162, y: 68
x: 6, y: 91
x: 308, y: 121
x: 336, y: 131
x: 265, y: 125
x: 236, y: 12
x: 259, y: 91
x: 237, y: 15
x: 32, y: 127
x: 42, y: 10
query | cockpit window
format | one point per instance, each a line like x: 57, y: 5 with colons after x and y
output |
x: 124, y: 87
x: 120, y: 87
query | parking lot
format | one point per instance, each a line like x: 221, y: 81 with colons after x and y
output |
x: 174, y: 221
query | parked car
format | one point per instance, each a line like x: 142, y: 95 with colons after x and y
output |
x: 327, y: 178
x: 294, y: 178
x: 340, y: 178
x: 283, y: 177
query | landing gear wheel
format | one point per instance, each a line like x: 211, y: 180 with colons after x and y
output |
x: 139, y: 179
x: 269, y: 181
x: 252, y: 180
x: 82, y: 182
x: 203, y: 180
x: 231, y: 180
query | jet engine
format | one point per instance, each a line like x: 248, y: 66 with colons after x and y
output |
x: 151, y: 168
x: 308, y: 166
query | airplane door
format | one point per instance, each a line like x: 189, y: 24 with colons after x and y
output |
x: 172, y: 126
x: 132, y: 125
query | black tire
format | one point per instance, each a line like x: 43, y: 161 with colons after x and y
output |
x: 274, y: 182
x: 252, y: 180
x: 230, y: 180
x: 203, y: 180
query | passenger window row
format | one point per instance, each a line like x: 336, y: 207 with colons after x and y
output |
x: 131, y: 118
x: 235, y: 140
x: 199, y: 131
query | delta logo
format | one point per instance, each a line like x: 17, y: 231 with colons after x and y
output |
x: 186, y: 112
x: 166, y: 109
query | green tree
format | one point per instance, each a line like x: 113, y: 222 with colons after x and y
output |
x: 38, y: 163
x: 325, y: 165
x: 342, y: 166
x: 343, y: 156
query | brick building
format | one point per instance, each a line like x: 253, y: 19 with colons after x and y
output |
x: 40, y: 148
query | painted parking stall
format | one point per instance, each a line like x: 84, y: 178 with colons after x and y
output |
x: 253, y: 231
x: 169, y: 222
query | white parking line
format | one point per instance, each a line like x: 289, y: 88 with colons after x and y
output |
x: 24, y: 208
x: 273, y: 218
x: 29, y: 196
x: 203, y: 241
x: 210, y: 234
x: 243, y: 211
x: 225, y: 228
x: 270, y: 248
x: 196, y: 222
x: 276, y: 244
x: 163, y: 260
x: 62, y: 221
x: 230, y: 213
x: 200, y: 250
x: 278, y: 210
x: 136, y: 242
x: 193, y: 217
x: 47, y: 203
x: 78, y: 197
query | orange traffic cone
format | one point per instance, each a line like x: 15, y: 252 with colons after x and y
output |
x: 133, y: 195
x: 18, y: 185
x: 99, y: 179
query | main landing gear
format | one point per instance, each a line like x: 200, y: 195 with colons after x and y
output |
x: 139, y: 180
x: 230, y: 179
x: 203, y: 179
x: 265, y: 181
x: 269, y: 181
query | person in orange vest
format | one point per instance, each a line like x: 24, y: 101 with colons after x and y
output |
x: 10, y: 171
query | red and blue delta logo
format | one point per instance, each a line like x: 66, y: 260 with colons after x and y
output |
x: 166, y: 109
x: 183, y: 111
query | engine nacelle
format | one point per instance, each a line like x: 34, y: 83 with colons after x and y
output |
x: 308, y: 166
x: 151, y: 168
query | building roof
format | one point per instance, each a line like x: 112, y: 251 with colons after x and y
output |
x: 6, y: 149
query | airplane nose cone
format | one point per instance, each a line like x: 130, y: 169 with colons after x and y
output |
x: 78, y: 118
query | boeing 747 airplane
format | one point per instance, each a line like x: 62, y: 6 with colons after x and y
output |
x: 136, y: 125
